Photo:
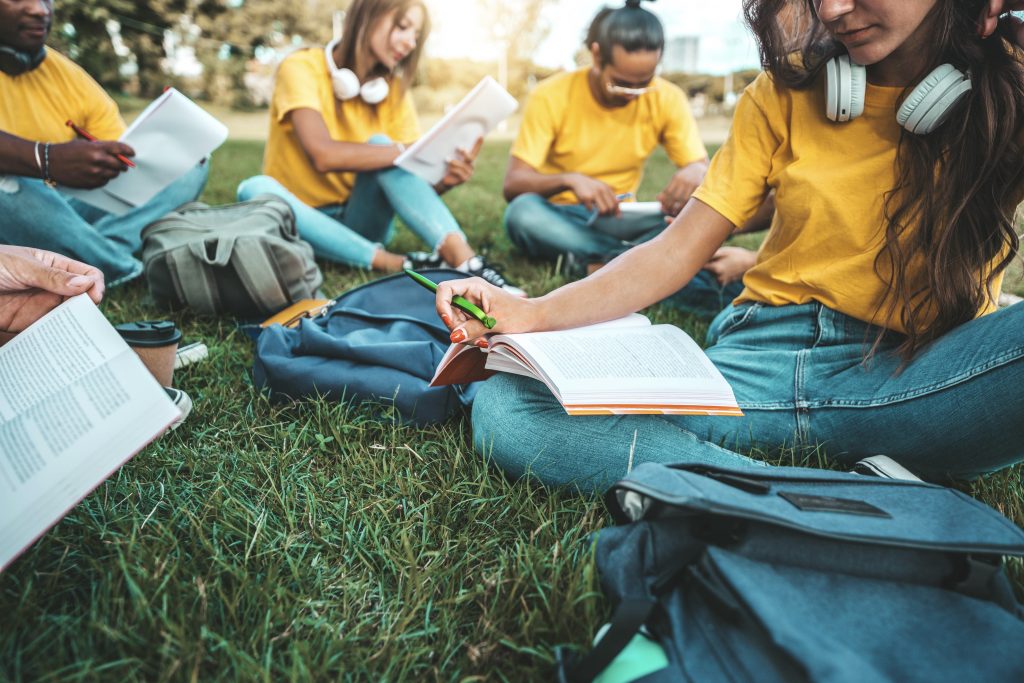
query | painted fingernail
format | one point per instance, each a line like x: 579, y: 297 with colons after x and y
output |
x: 458, y: 336
x: 482, y: 343
x: 446, y: 320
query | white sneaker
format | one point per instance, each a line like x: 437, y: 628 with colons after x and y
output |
x: 182, y: 402
x: 885, y: 467
x: 477, y: 266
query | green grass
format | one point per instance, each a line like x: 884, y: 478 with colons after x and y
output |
x: 317, y: 540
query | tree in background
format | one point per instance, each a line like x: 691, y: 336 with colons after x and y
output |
x: 233, y: 31
x: 517, y: 29
x: 80, y: 31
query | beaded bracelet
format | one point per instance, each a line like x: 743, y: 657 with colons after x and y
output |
x: 46, y: 166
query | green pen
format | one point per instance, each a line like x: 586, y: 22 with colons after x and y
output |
x: 464, y: 304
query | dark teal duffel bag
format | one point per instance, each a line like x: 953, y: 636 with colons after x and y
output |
x: 795, y: 574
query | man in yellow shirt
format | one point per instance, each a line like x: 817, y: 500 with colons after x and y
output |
x: 582, y: 146
x: 41, y: 90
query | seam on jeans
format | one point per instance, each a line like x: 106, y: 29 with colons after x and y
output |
x: 800, y: 406
x: 1006, y: 358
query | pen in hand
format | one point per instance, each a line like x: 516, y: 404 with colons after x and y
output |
x: 596, y: 213
x: 81, y: 132
x: 461, y: 302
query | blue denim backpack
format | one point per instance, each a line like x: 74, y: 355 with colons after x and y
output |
x: 794, y: 574
x: 381, y: 341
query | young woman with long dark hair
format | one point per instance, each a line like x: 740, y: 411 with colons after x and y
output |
x: 890, y: 132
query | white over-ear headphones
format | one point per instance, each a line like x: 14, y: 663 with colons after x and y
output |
x: 346, y: 83
x: 925, y: 108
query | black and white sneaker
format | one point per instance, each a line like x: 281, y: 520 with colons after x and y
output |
x: 182, y: 402
x: 418, y: 260
x: 885, y: 467
x: 478, y: 267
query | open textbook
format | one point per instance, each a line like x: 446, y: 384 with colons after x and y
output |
x: 169, y: 137
x: 75, y: 404
x: 486, y: 105
x: 621, y: 367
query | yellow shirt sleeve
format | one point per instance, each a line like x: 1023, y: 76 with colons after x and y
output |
x: 295, y: 88
x: 102, y: 117
x: 403, y: 125
x: 680, y: 136
x: 737, y: 180
x: 538, y: 130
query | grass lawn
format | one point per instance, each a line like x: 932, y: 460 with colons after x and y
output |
x: 318, y: 540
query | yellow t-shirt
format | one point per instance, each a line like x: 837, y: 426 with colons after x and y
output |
x: 36, y: 104
x: 829, y: 181
x: 304, y: 82
x: 565, y: 130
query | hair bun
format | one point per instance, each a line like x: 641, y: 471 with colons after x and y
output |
x: 634, y: 4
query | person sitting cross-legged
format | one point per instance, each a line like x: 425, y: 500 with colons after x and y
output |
x: 582, y: 145
x: 41, y: 91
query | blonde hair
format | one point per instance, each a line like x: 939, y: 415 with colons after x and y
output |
x: 361, y: 19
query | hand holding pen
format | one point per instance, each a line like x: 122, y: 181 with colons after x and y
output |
x: 83, y: 164
x: 594, y: 194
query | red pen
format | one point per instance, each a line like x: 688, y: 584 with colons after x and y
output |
x: 88, y: 136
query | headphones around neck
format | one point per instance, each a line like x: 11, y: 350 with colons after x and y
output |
x: 16, y: 62
x: 346, y: 83
x: 925, y: 108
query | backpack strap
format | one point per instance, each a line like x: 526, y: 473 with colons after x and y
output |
x: 629, y: 616
x: 194, y: 282
x: 265, y: 291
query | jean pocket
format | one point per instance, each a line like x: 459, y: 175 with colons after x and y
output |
x: 731, y: 319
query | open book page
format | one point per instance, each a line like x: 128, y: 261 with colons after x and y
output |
x: 464, y: 363
x: 76, y: 403
x: 486, y: 105
x: 653, y: 369
x: 169, y: 137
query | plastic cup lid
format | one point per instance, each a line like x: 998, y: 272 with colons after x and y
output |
x: 150, y: 332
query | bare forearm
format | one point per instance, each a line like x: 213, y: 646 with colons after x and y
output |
x: 640, y: 277
x: 521, y: 178
x: 17, y: 156
x: 334, y: 156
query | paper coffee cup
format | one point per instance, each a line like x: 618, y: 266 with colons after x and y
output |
x: 155, y: 342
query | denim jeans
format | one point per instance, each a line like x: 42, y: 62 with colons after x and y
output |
x: 800, y: 376
x: 546, y: 231
x: 351, y: 233
x: 34, y: 215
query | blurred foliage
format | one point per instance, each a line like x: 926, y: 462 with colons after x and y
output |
x: 227, y: 36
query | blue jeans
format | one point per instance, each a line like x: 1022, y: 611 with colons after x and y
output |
x: 800, y: 376
x: 545, y: 231
x: 351, y: 233
x: 35, y: 215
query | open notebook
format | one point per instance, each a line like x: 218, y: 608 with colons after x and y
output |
x: 170, y: 137
x: 486, y: 105
x: 625, y: 366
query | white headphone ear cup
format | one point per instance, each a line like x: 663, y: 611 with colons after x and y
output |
x: 832, y: 89
x: 930, y: 102
x: 858, y: 86
x: 374, y: 91
x: 345, y: 83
